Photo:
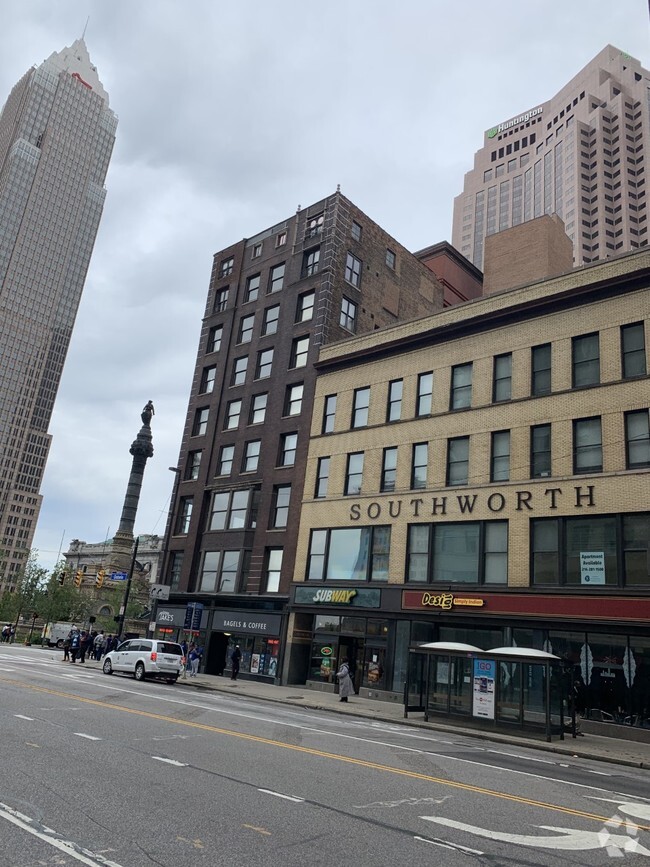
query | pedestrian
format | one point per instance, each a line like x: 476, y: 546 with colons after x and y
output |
x: 346, y: 687
x: 75, y: 644
x: 98, y: 645
x: 194, y: 658
x: 12, y: 634
x: 66, y: 647
x: 83, y: 646
x: 235, y: 658
x: 5, y: 633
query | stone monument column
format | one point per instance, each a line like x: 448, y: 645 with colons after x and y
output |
x: 141, y: 449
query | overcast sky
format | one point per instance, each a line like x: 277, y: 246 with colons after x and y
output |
x: 230, y: 116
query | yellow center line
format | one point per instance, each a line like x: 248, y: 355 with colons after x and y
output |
x: 467, y: 787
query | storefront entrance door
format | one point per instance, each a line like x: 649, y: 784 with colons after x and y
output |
x: 353, y: 649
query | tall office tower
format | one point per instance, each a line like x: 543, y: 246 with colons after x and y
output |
x: 56, y: 138
x: 325, y: 274
x: 581, y: 155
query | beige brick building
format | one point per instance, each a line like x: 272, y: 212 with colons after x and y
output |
x: 482, y: 475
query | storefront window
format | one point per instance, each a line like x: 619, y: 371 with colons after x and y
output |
x: 400, y: 654
x: 322, y: 666
x: 638, y: 673
x: 607, y: 684
x: 353, y: 625
x: 327, y: 623
x: 374, y: 667
x: 486, y: 639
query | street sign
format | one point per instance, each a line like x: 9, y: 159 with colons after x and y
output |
x: 119, y: 576
x: 193, y: 614
x: 159, y: 591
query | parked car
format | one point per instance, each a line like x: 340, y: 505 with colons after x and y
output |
x: 54, y: 634
x: 146, y: 658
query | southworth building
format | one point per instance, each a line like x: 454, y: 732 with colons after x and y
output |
x: 485, y: 478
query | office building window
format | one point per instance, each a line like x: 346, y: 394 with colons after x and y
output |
x: 500, y: 456
x: 184, y: 515
x: 388, y: 469
x: 585, y: 353
x: 219, y: 571
x: 390, y: 259
x: 226, y: 456
x: 353, y: 270
x: 360, y: 407
x: 276, y: 278
x: 229, y: 510
x: 419, y: 466
x: 270, y: 321
x: 619, y: 542
x: 461, y: 386
x: 175, y: 569
x: 193, y: 465
x: 264, y: 364
x: 310, y: 262
x: 425, y: 394
x: 633, y: 350
x: 245, y: 333
x: 354, y: 473
x: 252, y: 288
x: 233, y: 411
x: 457, y: 461
x: 200, y: 425
x: 239, y: 368
x: 281, y: 500
x: 221, y: 300
x: 637, y: 439
x: 207, y: 380
x: 251, y: 456
x: 462, y: 553
x: 258, y: 408
x: 348, y: 318
x: 356, y: 231
x: 540, y: 451
x: 322, y: 477
x: 394, y: 408
x: 226, y: 267
x: 305, y: 307
x: 541, y: 369
x: 350, y: 554
x: 329, y: 414
x: 314, y: 226
x: 281, y: 239
x: 214, y: 338
x: 502, y: 383
x: 299, y: 352
x: 288, y: 446
x: 273, y: 569
x: 257, y: 251
x: 293, y: 399
x: 587, y: 445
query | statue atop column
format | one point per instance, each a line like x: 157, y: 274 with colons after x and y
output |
x: 147, y: 413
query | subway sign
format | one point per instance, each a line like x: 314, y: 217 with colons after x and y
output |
x: 522, y: 118
x: 356, y: 597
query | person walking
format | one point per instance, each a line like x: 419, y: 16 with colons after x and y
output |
x: 98, y: 645
x: 235, y: 658
x: 66, y: 647
x: 194, y: 660
x: 346, y: 686
x: 75, y: 644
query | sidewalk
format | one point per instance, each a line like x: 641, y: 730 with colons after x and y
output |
x: 616, y: 750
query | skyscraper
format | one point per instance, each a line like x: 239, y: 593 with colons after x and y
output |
x: 56, y: 137
x: 581, y: 155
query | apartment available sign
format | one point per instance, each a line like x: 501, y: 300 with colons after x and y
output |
x: 592, y: 567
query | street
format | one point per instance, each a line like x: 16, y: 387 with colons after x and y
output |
x: 102, y: 770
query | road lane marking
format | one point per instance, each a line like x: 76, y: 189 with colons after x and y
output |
x: 49, y: 836
x: 20, y: 716
x: 88, y: 737
x: 447, y: 845
x: 259, y: 830
x: 400, y: 772
x: 170, y: 761
x: 280, y: 795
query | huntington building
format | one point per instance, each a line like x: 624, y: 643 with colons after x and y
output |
x: 56, y: 138
x: 482, y: 476
x: 581, y: 155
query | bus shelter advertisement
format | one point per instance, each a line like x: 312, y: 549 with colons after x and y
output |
x: 484, y: 677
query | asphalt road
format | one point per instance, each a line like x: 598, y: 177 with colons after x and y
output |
x: 102, y: 770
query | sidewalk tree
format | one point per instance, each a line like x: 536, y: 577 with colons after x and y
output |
x: 28, y: 591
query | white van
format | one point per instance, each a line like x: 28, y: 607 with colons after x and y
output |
x: 54, y: 634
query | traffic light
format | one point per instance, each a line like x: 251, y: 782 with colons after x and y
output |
x: 61, y: 578
x: 99, y: 580
x: 78, y: 578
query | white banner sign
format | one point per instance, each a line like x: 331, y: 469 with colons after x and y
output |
x: 592, y: 567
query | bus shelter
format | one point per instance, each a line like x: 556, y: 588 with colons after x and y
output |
x: 502, y: 688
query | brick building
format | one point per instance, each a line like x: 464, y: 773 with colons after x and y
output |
x: 485, y: 479
x: 274, y: 300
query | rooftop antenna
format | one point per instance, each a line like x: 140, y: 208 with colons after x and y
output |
x: 83, y: 35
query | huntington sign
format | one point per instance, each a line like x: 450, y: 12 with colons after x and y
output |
x: 522, y: 118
